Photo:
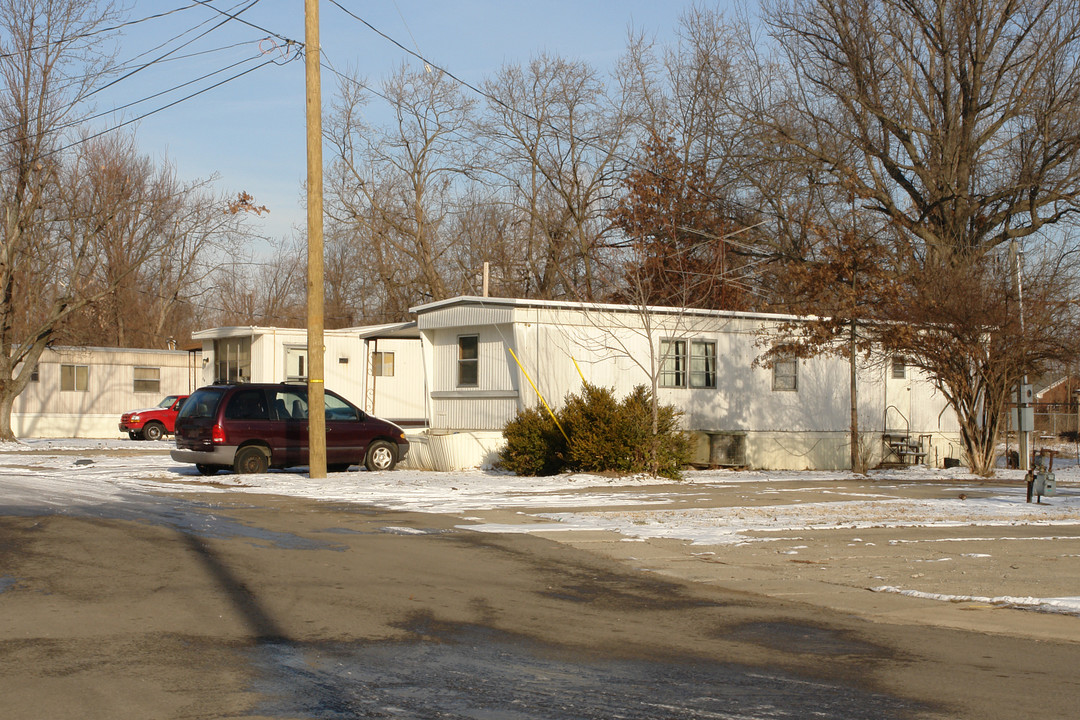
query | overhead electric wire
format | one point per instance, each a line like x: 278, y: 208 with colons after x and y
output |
x: 114, y: 109
x: 166, y: 55
x: 169, y: 57
x: 102, y: 31
x: 154, y: 111
x: 237, y: 18
x: 630, y: 162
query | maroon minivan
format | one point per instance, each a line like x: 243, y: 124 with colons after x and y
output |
x: 252, y: 427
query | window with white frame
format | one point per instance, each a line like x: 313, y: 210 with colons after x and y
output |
x: 785, y: 374
x: 382, y: 364
x: 672, y: 363
x: 147, y: 380
x: 468, y: 361
x: 702, y: 364
x: 899, y: 367
x: 74, y: 378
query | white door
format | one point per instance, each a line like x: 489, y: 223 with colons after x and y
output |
x: 296, y: 366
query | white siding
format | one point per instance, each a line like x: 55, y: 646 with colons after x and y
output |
x: 619, y: 348
x: 493, y: 401
x: 44, y: 410
x: 401, y: 397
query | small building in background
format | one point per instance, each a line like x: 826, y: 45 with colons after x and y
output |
x: 82, y: 391
x: 378, y: 368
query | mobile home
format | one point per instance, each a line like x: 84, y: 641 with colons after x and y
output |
x: 82, y: 391
x: 485, y: 359
x: 378, y: 368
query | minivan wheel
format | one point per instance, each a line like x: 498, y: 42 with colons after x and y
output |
x: 251, y: 461
x: 153, y: 431
x: 207, y: 469
x: 381, y: 455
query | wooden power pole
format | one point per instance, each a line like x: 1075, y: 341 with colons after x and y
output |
x: 316, y: 387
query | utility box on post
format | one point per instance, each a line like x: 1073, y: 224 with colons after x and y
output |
x: 1045, y: 484
x: 1023, y: 415
x: 1041, y: 481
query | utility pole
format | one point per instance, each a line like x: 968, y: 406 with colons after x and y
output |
x: 1025, y: 415
x: 316, y: 386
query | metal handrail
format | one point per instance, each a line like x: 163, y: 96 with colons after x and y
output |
x: 885, y: 423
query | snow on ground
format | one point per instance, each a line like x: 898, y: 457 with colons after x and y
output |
x: 57, y: 475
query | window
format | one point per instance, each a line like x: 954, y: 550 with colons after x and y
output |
x: 233, y: 359
x: 785, y: 374
x: 382, y: 364
x: 74, y: 378
x: 468, y: 361
x: 247, y: 405
x: 702, y: 364
x: 899, y: 367
x: 338, y: 410
x: 672, y: 363
x: 148, y: 380
x: 296, y: 364
x: 291, y: 404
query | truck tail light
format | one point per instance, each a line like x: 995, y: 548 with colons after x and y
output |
x: 217, y: 435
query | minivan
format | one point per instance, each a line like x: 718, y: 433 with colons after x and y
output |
x: 251, y: 427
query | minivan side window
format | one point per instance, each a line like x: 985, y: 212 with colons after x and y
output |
x: 247, y: 405
x: 337, y: 409
x: 290, y: 405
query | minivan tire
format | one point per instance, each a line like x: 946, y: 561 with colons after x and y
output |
x: 251, y: 460
x: 381, y: 455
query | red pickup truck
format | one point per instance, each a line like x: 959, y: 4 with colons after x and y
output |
x: 152, y: 423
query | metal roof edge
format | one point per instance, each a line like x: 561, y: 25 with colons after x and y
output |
x: 600, y: 307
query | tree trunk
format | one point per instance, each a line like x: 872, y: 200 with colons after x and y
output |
x: 7, y: 401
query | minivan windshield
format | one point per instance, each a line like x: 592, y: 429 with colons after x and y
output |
x: 203, y: 403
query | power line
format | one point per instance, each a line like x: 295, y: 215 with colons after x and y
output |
x: 628, y: 161
x: 160, y: 58
x: 154, y: 111
x: 102, y: 31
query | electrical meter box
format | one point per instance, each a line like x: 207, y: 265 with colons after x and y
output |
x: 1045, y: 484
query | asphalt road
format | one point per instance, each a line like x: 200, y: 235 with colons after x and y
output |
x: 231, y: 606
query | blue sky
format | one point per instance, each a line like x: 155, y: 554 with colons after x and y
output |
x: 250, y: 131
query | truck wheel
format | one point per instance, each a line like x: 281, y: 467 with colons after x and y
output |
x: 153, y: 431
x: 381, y: 455
x: 134, y: 435
x: 251, y: 460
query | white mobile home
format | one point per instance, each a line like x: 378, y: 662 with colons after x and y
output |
x: 82, y: 391
x: 482, y: 357
x: 378, y: 368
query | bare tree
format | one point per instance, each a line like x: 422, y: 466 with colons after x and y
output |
x: 268, y: 291
x: 951, y: 121
x: 392, y: 188
x: 50, y: 58
x: 555, y: 135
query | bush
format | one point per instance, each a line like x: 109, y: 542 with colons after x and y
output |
x: 598, y: 438
x: 605, y: 435
x: 534, y: 445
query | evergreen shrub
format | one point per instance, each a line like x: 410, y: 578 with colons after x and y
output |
x: 605, y: 435
x: 534, y: 445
